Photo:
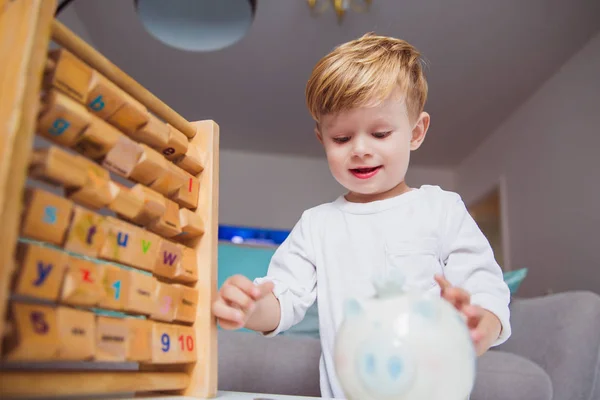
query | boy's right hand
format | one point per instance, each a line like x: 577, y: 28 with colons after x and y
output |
x: 236, y: 301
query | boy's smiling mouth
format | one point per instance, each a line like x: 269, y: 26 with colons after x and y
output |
x: 365, y: 172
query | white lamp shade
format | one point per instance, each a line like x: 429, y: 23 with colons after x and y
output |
x: 197, y: 25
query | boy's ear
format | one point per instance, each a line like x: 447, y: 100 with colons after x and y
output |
x: 318, y: 133
x: 419, y: 131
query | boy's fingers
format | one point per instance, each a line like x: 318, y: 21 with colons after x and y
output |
x: 457, y: 297
x: 227, y: 315
x: 265, y: 288
x: 443, y: 282
x: 474, y: 315
x: 246, y: 285
x: 236, y: 296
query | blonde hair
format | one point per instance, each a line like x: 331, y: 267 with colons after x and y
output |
x: 364, y: 72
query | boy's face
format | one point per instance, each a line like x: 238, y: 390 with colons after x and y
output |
x: 368, y: 148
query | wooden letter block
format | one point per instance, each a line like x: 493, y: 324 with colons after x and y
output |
x: 123, y: 158
x: 83, y: 283
x: 69, y: 74
x: 77, y: 334
x: 177, y: 145
x: 104, y: 97
x: 191, y: 224
x: 167, y: 224
x: 55, y: 165
x: 141, y: 297
x: 168, y: 298
x: 87, y: 232
x: 188, y: 304
x: 186, y: 342
x: 168, y: 260
x: 41, y: 271
x: 97, y: 139
x: 120, y: 242
x: 47, y: 216
x: 171, y: 181
x: 140, y: 339
x: 147, y: 250
x: 155, y: 133
x: 130, y: 117
x: 124, y: 203
x: 155, y: 204
x: 35, y: 334
x: 95, y: 194
x: 164, y: 344
x: 187, y: 195
x: 188, y: 271
x: 150, y: 166
x: 112, y: 338
x: 116, y: 282
x: 192, y: 161
x: 62, y: 119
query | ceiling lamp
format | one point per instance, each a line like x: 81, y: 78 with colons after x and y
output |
x: 197, y: 25
x: 193, y: 25
x: 340, y: 6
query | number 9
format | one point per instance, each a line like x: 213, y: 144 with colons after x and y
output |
x: 166, y: 342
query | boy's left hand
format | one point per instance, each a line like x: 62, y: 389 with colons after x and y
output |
x: 484, y: 326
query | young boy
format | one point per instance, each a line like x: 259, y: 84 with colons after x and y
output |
x: 367, y: 98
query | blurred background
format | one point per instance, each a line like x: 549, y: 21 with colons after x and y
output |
x: 514, y: 95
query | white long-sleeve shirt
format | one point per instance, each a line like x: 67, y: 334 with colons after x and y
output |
x: 337, y: 249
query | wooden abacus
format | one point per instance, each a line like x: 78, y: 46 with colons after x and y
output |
x: 108, y: 235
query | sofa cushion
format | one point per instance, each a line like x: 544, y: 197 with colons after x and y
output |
x: 506, y: 376
x: 289, y: 365
x: 249, y: 362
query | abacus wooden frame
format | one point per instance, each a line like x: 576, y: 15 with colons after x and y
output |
x: 26, y: 29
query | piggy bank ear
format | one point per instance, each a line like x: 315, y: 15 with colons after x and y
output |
x: 352, y: 308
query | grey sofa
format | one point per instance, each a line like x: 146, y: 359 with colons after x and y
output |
x: 554, y: 353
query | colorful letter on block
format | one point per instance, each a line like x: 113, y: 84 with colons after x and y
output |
x: 62, y: 119
x: 41, y: 271
x: 120, y: 242
x: 186, y: 344
x: 147, y: 250
x: 187, y: 195
x: 169, y: 259
x: 168, y: 298
x: 164, y: 344
x: 47, y: 216
x: 104, y: 97
x: 87, y: 232
x: 112, y: 337
x: 77, y: 334
x: 116, y: 283
x: 35, y: 336
x: 83, y: 283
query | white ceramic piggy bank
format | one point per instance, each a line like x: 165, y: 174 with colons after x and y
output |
x: 404, y: 346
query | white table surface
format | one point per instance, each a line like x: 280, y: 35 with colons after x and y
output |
x: 222, y: 395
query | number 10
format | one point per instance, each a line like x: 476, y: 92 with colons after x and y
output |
x: 189, y: 342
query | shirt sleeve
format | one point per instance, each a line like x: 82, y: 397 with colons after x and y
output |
x: 293, y: 273
x: 470, y: 264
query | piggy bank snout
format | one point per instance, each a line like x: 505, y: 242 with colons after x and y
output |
x: 386, y: 367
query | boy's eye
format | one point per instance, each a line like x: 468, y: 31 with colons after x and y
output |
x: 381, y: 135
x: 343, y: 139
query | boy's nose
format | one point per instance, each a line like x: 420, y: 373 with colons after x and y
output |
x: 360, y: 148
